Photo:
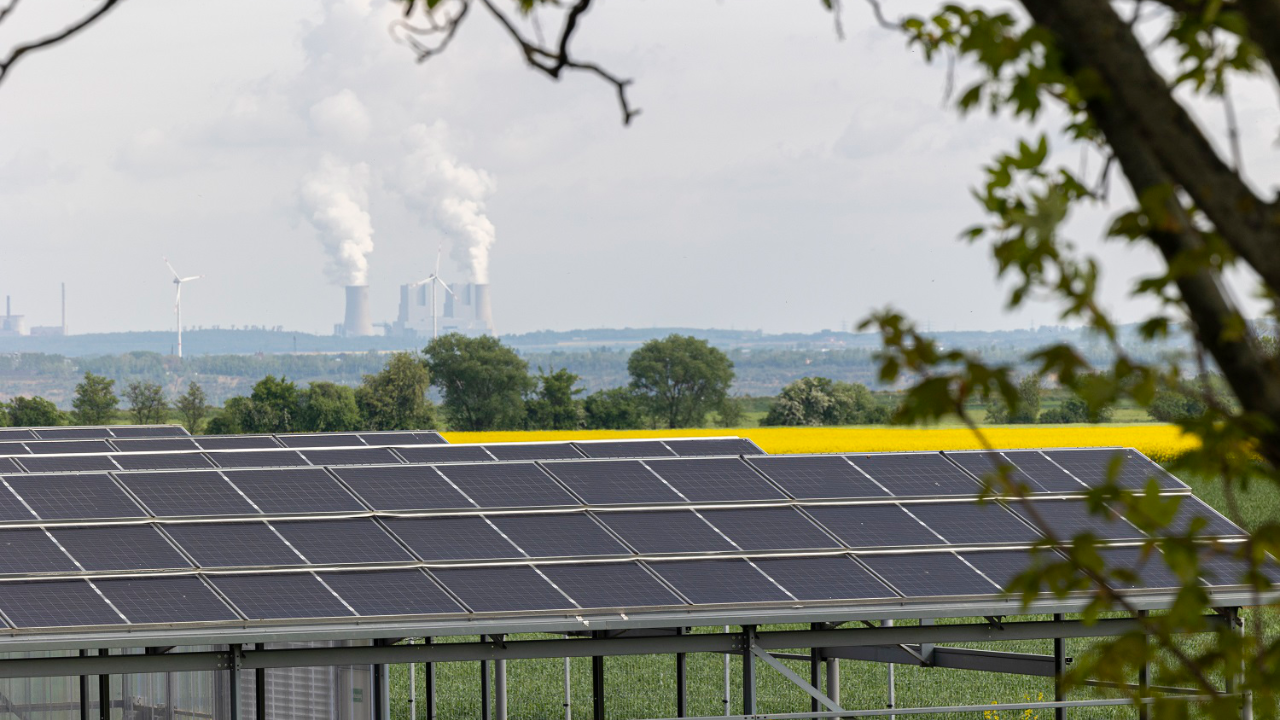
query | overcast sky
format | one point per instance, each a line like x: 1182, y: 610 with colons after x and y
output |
x: 778, y: 178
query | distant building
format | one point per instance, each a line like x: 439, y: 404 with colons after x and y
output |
x: 465, y: 310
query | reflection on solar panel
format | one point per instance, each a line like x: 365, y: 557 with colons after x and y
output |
x: 971, y: 524
x: 507, y: 485
x: 713, y: 479
x: 557, y: 535
x: 1027, y: 468
x: 916, y: 474
x: 68, y: 447
x: 932, y: 574
x: 493, y: 589
x: 541, y: 451
x: 74, y: 497
x: 665, y: 531
x: 824, y: 578
x: 148, y: 431
x: 613, y: 482
x: 719, y: 581
x: 1129, y: 568
x: 862, y: 526
x: 258, y: 459
x: 713, y: 446
x: 66, y: 463
x: 354, y: 456
x: 294, y: 490
x: 119, y: 547
x: 280, y: 596
x: 233, y: 544
x: 155, y: 444
x: 335, y: 542
x: 1212, y: 523
x: 30, y: 550
x: 807, y: 477
x: 403, y: 488
x: 627, y: 449
x: 452, y: 538
x: 403, y: 438
x: 236, y: 442
x: 55, y: 603
x: 321, y: 440
x: 445, y: 454
x: 1068, y: 518
x: 390, y: 592
x: 188, y: 493
x: 1131, y: 469
x: 604, y: 585
x: 774, y: 528
x: 1003, y: 566
x: 165, y: 599
x: 182, y: 461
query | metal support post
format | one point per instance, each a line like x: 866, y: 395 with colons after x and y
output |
x: 892, y: 687
x: 500, y: 687
x: 485, y: 712
x: 233, y: 685
x: 413, y: 688
x: 1246, y: 698
x: 597, y: 684
x: 1059, y: 669
x: 84, y: 691
x: 682, y: 680
x: 260, y: 689
x: 833, y: 679
x: 815, y: 664
x: 381, y: 688
x: 727, y: 709
x: 1144, y: 683
x: 568, y: 690
x: 104, y: 691
x: 429, y: 677
x: 748, y: 670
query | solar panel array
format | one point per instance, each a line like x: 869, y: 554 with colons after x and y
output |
x: 128, y: 547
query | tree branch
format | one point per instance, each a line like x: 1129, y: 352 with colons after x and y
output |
x: 1264, y: 27
x: 7, y: 63
x: 4, y: 12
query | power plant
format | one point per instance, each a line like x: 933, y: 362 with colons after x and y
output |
x: 467, y: 309
x: 358, y: 321
x: 15, y: 325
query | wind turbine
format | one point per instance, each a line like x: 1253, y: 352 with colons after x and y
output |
x: 432, y: 280
x: 177, y: 299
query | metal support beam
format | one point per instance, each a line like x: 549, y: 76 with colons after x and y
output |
x: 811, y: 690
x: 891, y: 695
x: 1059, y: 669
x: 682, y: 680
x: 260, y: 689
x: 104, y: 691
x: 486, y: 712
x: 429, y: 678
x: 1144, y: 683
x: 815, y: 672
x: 568, y: 691
x: 233, y: 685
x: 597, y: 682
x: 84, y: 691
x: 993, y: 707
x: 749, y: 670
x: 381, y: 686
x: 500, y: 687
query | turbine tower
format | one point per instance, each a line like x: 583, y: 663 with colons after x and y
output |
x: 432, y: 280
x: 177, y: 299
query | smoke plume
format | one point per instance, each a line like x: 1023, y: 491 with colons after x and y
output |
x: 333, y: 198
x: 435, y: 183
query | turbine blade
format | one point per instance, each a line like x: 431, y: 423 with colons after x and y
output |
x: 189, y: 279
x: 175, y: 272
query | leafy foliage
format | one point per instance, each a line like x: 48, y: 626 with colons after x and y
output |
x: 193, y: 407
x: 483, y: 382
x: 614, y: 409
x: 95, y: 402
x: 555, y: 406
x: 395, y: 398
x: 328, y: 407
x: 822, y: 401
x: 33, y: 412
x: 147, y: 403
x: 681, y: 379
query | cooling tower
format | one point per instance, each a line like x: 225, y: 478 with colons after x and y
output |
x: 483, y: 310
x: 359, y: 321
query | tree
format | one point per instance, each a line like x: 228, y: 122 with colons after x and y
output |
x: 483, y: 382
x: 730, y: 413
x: 555, y: 406
x: 614, y: 409
x: 1025, y: 409
x: 396, y: 397
x: 274, y: 406
x: 822, y: 401
x: 329, y: 407
x: 193, y: 407
x: 44, y: 43
x: 95, y: 401
x: 33, y: 412
x: 681, y: 379
x: 147, y: 403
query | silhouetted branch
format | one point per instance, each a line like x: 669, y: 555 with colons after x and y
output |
x: 4, y: 12
x: 879, y: 14
x: 446, y: 30
x: 50, y: 41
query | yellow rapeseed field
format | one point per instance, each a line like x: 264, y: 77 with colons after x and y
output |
x: 1159, y: 442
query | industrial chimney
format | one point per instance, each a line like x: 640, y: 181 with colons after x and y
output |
x: 359, y: 322
x: 483, y: 310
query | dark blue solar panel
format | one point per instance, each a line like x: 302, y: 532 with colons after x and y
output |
x: 558, y: 535
x: 1130, y: 568
x: 11, y: 434
x: 163, y: 461
x: 714, y: 446
x: 1027, y: 468
x: 243, y: 544
x: 1211, y: 523
x: 323, y: 440
x: 719, y: 581
x: 294, y: 490
x: 1002, y: 567
x: 452, y: 538
x: 867, y: 526
x: 10, y: 507
x: 236, y: 442
x: 155, y: 444
x: 774, y: 528
x: 149, y: 431
x: 444, y: 454
x: 332, y: 542
x: 69, y: 447
x: 969, y: 523
x: 352, y: 456
x: 603, y: 585
x: 1063, y: 520
x: 74, y: 497
x: 280, y: 596
x: 55, y: 603
x: 1127, y: 468
x: 402, y: 488
x: 187, y: 493
x: 533, y: 451
x: 66, y: 463
x: 72, y: 433
x: 817, y: 476
x: 610, y: 482
x: 715, y: 479
x: 31, y: 550
x: 507, y: 485
x: 120, y: 547
x: 665, y: 531
x: 165, y: 599
x: 824, y: 578
x: 13, y: 448
x: 502, y: 589
x: 9, y: 466
x: 390, y: 592
x: 258, y: 459
x: 403, y: 438
x: 930, y: 574
x: 917, y: 474
x: 625, y: 449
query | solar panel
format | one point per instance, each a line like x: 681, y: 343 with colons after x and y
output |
x: 1215, y: 524
x: 715, y: 479
x: 67, y: 463
x: 69, y: 447
x: 507, y: 485
x: 165, y: 599
x: 714, y: 446
x: 30, y: 550
x: 332, y: 542
x: 155, y: 444
x: 941, y: 574
x: 236, y: 442
x: 971, y: 523
x: 8, y: 466
x: 187, y: 493
x: 1225, y: 568
x: 452, y: 538
x: 719, y: 581
x: 1003, y: 566
x: 258, y: 459
x: 241, y: 544
x: 1066, y: 519
x: 1149, y: 570
x: 79, y: 433
x: 824, y: 578
x: 606, y: 585
x: 445, y: 454
x: 11, y: 508
x: 402, y: 488
x: 665, y: 531
x: 498, y: 589
x: 149, y: 431
x: 22, y: 434
x: 294, y: 491
x: 390, y: 592
x: 1133, y: 470
x: 773, y: 528
x: 403, y: 438
x: 613, y: 482
x: 1027, y: 468
x: 558, y: 535
x: 183, y: 461
x: 540, y: 451
x: 625, y: 449
x: 55, y: 603
x: 13, y: 448
x: 916, y: 474
x: 353, y: 456
x: 119, y: 547
x: 813, y: 477
x: 291, y: 595
x: 74, y: 497
x: 321, y: 440
x: 864, y: 526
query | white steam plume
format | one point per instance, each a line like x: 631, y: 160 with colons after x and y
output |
x: 333, y: 198
x: 435, y: 183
